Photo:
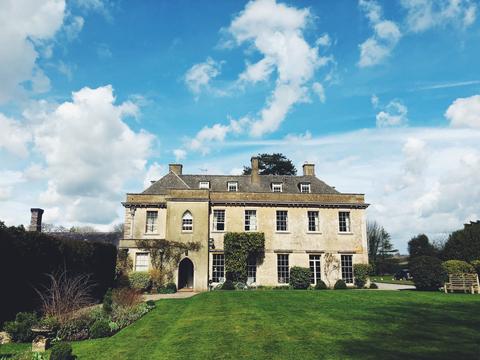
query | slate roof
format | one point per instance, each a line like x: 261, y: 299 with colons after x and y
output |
x: 291, y: 184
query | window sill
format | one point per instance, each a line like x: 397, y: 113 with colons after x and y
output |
x: 187, y: 231
x: 151, y: 233
x: 314, y: 232
x: 250, y: 231
x: 218, y: 231
x: 282, y: 232
x: 345, y: 233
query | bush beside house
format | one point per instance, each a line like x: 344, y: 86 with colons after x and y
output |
x: 299, y: 277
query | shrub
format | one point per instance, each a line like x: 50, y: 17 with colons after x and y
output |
x: 107, y: 302
x: 49, y: 322
x: 126, y: 297
x: 340, y: 285
x: 100, y: 328
x: 373, y: 286
x: 20, y: 329
x: 228, y: 285
x: 157, y: 277
x: 240, y: 286
x: 124, y: 316
x: 321, y: 285
x: 360, y: 273
x: 113, y: 327
x: 75, y: 329
x: 151, y: 303
x: 62, y: 351
x: 476, y: 266
x: 457, y: 267
x: 299, y: 277
x: 139, y: 280
x: 169, y: 288
x: 282, y: 287
x: 427, y: 273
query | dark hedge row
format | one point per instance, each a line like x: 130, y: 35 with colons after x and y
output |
x: 26, y: 258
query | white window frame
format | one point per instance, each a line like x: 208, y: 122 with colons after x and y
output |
x: 142, y: 264
x: 187, y: 222
x: 279, y: 217
x: 315, y: 222
x: 344, y: 222
x: 251, y: 271
x: 151, y: 226
x: 216, y: 221
x: 250, y: 225
x: 315, y: 262
x: 232, y: 186
x: 283, y: 269
x: 277, y: 187
x: 218, y: 268
x: 305, y: 188
x: 346, y: 262
x: 204, y: 185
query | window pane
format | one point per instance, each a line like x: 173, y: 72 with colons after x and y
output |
x: 218, y: 267
x: 187, y: 222
x: 219, y: 220
x: 344, y: 221
x: 251, y: 270
x: 305, y: 188
x: 282, y: 220
x: 315, y: 269
x: 347, y: 269
x: 151, y: 223
x: 232, y: 186
x: 283, y: 269
x: 141, y: 262
x: 313, y: 223
x: 250, y: 220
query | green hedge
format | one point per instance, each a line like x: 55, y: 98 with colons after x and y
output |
x: 361, y: 273
x: 427, y: 272
x: 139, y: 280
x: 25, y: 258
x: 299, y: 277
x: 458, y: 267
x: 238, y: 248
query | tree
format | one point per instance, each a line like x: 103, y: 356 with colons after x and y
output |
x: 273, y: 164
x: 421, y: 246
x: 463, y: 244
x: 380, y: 247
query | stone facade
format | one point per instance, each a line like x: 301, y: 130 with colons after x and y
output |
x: 340, y: 229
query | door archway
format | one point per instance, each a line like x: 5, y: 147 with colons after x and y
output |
x: 185, y: 274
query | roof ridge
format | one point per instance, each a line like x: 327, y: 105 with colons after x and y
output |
x: 180, y: 179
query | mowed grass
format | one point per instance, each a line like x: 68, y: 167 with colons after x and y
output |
x: 363, y: 324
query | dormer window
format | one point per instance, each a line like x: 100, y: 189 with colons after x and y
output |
x: 305, y: 188
x: 204, y: 185
x: 277, y: 187
x: 232, y: 186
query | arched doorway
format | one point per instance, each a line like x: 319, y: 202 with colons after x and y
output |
x: 185, y: 274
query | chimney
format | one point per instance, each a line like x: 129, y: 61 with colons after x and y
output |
x: 36, y: 220
x: 175, y: 168
x: 255, y: 171
x: 308, y: 169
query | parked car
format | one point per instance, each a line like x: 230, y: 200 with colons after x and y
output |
x: 403, y: 274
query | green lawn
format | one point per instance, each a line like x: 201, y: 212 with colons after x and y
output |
x: 355, y: 324
x: 388, y: 279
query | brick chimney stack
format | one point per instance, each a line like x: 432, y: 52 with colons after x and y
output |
x: 255, y: 170
x: 175, y: 168
x: 308, y: 169
x: 36, y: 220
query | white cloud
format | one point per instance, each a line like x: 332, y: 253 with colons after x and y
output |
x: 86, y: 147
x: 423, y: 15
x: 154, y: 173
x: 14, y: 137
x: 8, y: 180
x: 180, y: 154
x: 386, y: 36
x: 74, y: 27
x: 323, y: 40
x: 24, y: 24
x: 394, y: 114
x: 464, y: 112
x: 375, y: 101
x: 199, y: 75
x: 319, y: 90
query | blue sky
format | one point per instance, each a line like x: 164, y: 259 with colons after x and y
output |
x: 97, y: 97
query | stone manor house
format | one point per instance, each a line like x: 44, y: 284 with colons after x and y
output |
x: 303, y: 220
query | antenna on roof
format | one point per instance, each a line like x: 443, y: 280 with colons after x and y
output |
x: 204, y: 171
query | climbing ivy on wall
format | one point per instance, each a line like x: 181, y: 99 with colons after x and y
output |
x: 239, y: 247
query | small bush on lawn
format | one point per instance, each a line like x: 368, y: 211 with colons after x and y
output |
x: 126, y: 297
x: 228, y: 285
x: 100, y: 328
x: 458, y: 267
x: 107, y: 302
x: 299, y: 277
x: 360, y: 273
x: 139, y: 280
x: 340, y: 285
x: 373, y: 286
x: 321, y: 285
x: 62, y: 351
x: 476, y: 265
x: 427, y: 273
x: 20, y: 329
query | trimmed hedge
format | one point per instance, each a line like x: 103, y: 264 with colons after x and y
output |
x: 340, y: 285
x: 299, y: 277
x: 361, y: 273
x: 427, y: 273
x: 34, y: 254
x: 458, y: 267
x: 476, y: 265
x: 321, y: 285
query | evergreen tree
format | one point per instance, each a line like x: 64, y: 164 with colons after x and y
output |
x: 273, y: 164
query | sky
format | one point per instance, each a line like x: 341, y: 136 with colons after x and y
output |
x: 97, y: 97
